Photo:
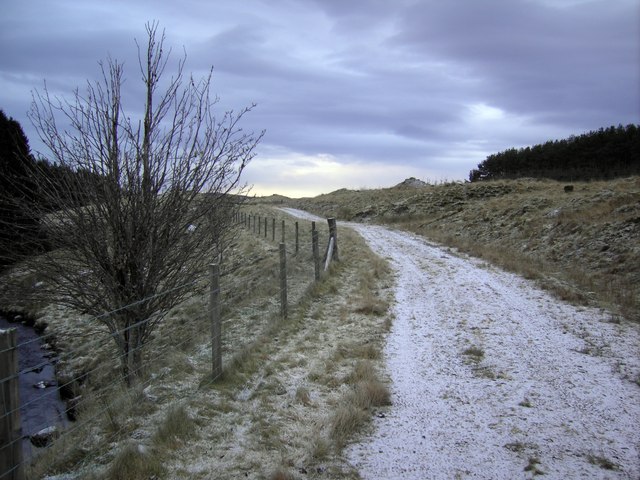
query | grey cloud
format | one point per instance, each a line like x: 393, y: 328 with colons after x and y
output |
x: 533, y: 57
x: 368, y: 80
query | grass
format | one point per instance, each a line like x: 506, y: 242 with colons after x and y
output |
x: 177, y: 427
x: 475, y: 354
x: 282, y: 475
x: 134, y: 462
x: 533, y: 466
x: 578, y: 246
x: 297, y: 371
x: 366, y: 393
x: 602, y: 462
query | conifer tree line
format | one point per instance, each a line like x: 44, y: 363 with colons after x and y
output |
x: 607, y: 153
x: 20, y: 234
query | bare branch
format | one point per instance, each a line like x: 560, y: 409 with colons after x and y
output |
x: 148, y: 202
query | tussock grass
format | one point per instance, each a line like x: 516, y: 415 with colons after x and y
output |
x: 282, y: 475
x: 113, y: 420
x: 176, y: 427
x: 64, y: 454
x: 351, y: 349
x: 345, y: 422
x: 603, y: 462
x: 533, y: 466
x: 303, y: 396
x: 476, y: 354
x: 370, y: 304
x: 370, y: 394
x: 366, y: 392
x: 134, y: 462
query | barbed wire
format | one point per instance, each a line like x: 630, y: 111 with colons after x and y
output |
x: 295, y: 261
x: 117, y: 310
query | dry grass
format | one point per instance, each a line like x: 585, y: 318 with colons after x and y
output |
x: 475, y: 354
x: 345, y: 422
x: 283, y: 380
x: 135, y: 462
x: 366, y: 393
x: 176, y: 428
x: 582, y: 246
x: 282, y: 475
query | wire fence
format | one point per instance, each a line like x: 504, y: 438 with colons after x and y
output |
x: 246, y: 297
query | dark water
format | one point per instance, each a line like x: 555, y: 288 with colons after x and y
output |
x: 39, y: 407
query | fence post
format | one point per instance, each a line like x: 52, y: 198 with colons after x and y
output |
x: 329, y: 254
x: 216, y: 324
x: 259, y: 225
x: 283, y: 281
x: 266, y: 226
x: 10, y: 427
x: 283, y: 237
x: 297, y: 240
x: 273, y: 230
x: 333, y: 234
x: 316, y: 254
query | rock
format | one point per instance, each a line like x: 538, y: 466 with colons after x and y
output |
x: 42, y: 384
x: 44, y: 437
x: 71, y: 407
x: 148, y: 395
x: 568, y: 188
x: 40, y: 326
x: 412, y: 182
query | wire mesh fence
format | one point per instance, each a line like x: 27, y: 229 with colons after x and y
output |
x: 247, y: 293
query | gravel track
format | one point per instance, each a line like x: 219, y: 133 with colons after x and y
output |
x: 493, y: 378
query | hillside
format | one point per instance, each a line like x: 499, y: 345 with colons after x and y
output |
x: 580, y: 240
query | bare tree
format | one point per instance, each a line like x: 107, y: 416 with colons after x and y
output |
x: 148, y: 199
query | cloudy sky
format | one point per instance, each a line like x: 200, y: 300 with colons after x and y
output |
x: 355, y: 93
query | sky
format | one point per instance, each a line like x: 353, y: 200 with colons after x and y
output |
x: 353, y: 93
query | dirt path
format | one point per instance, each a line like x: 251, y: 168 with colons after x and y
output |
x: 493, y: 378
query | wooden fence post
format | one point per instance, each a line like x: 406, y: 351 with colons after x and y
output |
x: 297, y: 240
x: 329, y: 254
x: 283, y: 281
x: 259, y: 225
x: 333, y: 234
x: 273, y: 230
x: 216, y: 323
x: 283, y: 236
x: 11, y: 467
x: 316, y: 254
x: 266, y: 226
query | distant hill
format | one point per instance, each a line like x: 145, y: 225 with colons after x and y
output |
x: 583, y: 243
x: 272, y: 199
x: 604, y: 154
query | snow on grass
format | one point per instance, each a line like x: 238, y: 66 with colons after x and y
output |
x: 550, y: 389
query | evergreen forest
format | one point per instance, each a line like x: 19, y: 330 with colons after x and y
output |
x: 22, y: 202
x: 597, y: 155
